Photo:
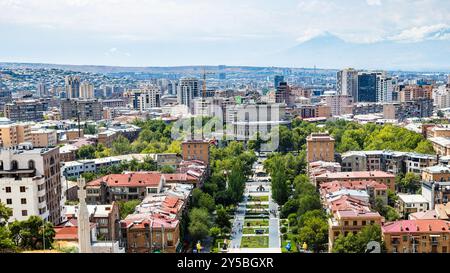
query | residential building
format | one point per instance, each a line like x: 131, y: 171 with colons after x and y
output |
x: 82, y: 109
x: 411, y: 203
x: 86, y: 90
x: 106, y: 218
x: 12, y: 134
x: 415, y: 92
x: 188, y: 88
x: 72, y: 87
x: 26, y: 110
x: 347, y: 83
x: 416, y: 236
x: 378, y: 176
x: 31, y: 183
x: 320, y: 147
x: 419, y: 108
x: 339, y: 104
x: 44, y: 138
x: 123, y: 187
x: 195, y: 150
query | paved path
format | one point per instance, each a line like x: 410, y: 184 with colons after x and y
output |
x: 238, y: 224
x: 274, y: 226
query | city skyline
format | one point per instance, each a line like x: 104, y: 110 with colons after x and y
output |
x: 398, y: 34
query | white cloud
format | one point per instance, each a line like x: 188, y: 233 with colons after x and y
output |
x: 373, y: 2
x: 417, y: 34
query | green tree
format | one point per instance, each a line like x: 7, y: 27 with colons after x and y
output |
x: 120, y: 146
x: 206, y: 201
x: 86, y: 152
x: 280, y: 191
x: 127, y: 207
x: 314, y: 233
x: 5, y: 214
x: 357, y: 243
x: 236, y: 182
x: 222, y: 219
x: 32, y: 233
x: 199, y: 224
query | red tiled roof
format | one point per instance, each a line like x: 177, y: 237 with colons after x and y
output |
x: 417, y: 226
x: 353, y: 185
x: 66, y: 233
x: 137, y: 179
x: 174, y: 177
x: 354, y: 175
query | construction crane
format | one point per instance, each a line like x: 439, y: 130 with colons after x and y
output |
x: 204, y: 81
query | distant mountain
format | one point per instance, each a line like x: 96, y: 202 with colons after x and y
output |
x: 329, y: 51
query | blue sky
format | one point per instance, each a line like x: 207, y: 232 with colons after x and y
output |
x: 191, y: 32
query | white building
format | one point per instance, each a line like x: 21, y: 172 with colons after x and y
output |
x: 31, y: 183
x: 411, y: 203
x: 188, y: 88
x: 147, y: 97
x: 347, y: 82
x: 441, y: 97
x: 86, y: 90
x: 385, y: 87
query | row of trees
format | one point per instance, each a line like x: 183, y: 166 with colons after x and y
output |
x: 155, y: 137
x: 30, y: 234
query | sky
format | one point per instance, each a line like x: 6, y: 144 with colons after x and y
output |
x: 195, y: 32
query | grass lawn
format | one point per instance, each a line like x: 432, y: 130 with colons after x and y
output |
x: 252, y: 230
x: 255, y: 206
x: 256, y: 222
x: 262, y: 198
x: 284, y: 243
x: 255, y: 242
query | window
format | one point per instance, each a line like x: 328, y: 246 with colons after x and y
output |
x: 363, y: 223
x: 22, y: 189
x: 8, y: 189
x: 355, y: 223
x: 345, y: 223
x: 23, y: 201
x: 24, y: 213
x: 9, y: 201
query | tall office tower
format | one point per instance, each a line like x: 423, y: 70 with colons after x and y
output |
x: 282, y: 93
x: 86, y: 90
x: 188, y: 88
x: 41, y: 90
x: 146, y: 97
x: 31, y: 183
x: 72, y: 87
x: 347, y: 82
x: 277, y: 80
x: 172, y: 88
x: 385, y: 88
x: 5, y: 96
x: 367, y: 87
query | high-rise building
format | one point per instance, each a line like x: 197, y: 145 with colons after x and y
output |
x: 282, y: 93
x: 26, y: 110
x: 367, y: 87
x: 339, y: 104
x: 31, y: 183
x: 86, y: 90
x: 277, y: 80
x: 41, y: 90
x: 188, y: 88
x: 347, y: 83
x: 72, y: 87
x: 84, y: 109
x: 385, y: 88
x: 147, y: 97
x: 5, y: 95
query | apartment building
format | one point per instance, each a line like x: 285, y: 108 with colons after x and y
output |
x: 378, y: 176
x: 417, y: 236
x: 85, y: 109
x: 26, y: 110
x: 320, y: 147
x: 44, y: 138
x: 31, y: 183
x: 411, y: 203
x: 123, y: 187
x: 195, y: 150
x: 12, y: 134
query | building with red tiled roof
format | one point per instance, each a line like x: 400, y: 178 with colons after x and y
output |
x: 128, y: 186
x: 149, y: 233
x: 378, y: 176
x: 374, y: 189
x: 417, y: 236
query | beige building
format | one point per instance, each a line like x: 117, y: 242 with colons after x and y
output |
x: 196, y: 150
x: 320, y: 147
x: 44, y: 138
x: 12, y: 134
